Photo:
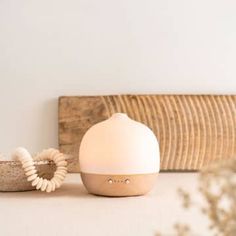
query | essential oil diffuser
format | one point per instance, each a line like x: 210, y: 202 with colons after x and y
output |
x: 119, y: 157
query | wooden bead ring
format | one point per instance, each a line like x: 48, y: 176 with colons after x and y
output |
x: 22, y: 155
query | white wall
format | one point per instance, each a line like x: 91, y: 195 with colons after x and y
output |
x: 50, y: 48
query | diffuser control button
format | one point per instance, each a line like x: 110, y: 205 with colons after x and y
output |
x: 127, y: 181
x: 110, y: 181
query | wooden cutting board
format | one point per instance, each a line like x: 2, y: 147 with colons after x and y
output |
x: 193, y: 130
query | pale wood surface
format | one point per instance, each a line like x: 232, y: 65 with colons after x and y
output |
x: 192, y: 130
x: 71, y: 211
x: 139, y: 184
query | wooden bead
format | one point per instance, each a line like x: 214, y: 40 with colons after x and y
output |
x: 61, y: 163
x: 32, y: 177
x: 49, y: 154
x: 28, y: 163
x: 61, y: 172
x: 29, y: 168
x: 62, y: 168
x: 39, y: 184
x: 53, y: 185
x: 30, y: 172
x: 59, y: 177
x: 20, y: 154
x: 25, y: 160
x: 44, y: 185
x: 57, y: 182
x: 59, y: 158
x: 53, y: 153
x: 35, y: 182
x: 49, y: 187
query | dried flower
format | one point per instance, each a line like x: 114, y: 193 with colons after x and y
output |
x: 218, y: 187
x: 186, y: 199
x: 217, y: 184
x: 182, y: 229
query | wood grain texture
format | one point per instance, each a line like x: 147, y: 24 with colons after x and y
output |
x: 99, y: 184
x: 193, y: 130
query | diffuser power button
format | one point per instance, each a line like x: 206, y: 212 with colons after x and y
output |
x: 127, y: 181
x: 110, y: 181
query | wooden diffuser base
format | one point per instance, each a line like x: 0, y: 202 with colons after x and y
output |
x: 118, y: 185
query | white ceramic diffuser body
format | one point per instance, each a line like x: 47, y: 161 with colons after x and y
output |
x: 119, y: 157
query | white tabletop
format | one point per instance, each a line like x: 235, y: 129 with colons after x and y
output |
x: 72, y: 211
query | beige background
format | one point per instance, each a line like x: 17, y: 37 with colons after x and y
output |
x: 78, y: 47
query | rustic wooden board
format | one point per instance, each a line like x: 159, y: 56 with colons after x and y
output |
x: 192, y: 130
